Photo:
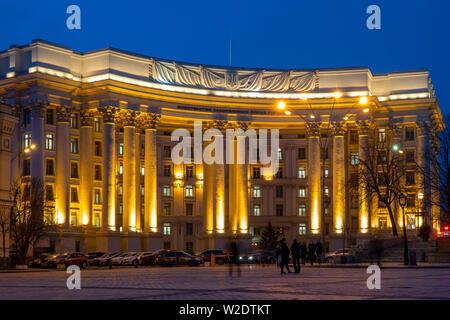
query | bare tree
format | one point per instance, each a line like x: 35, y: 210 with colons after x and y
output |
x: 5, y: 217
x: 380, y: 172
x: 27, y: 217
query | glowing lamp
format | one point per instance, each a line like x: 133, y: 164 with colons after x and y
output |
x: 337, y: 95
x: 178, y: 175
x: 288, y: 113
x: 281, y: 105
x: 363, y: 100
x: 420, y: 195
x: 366, y: 110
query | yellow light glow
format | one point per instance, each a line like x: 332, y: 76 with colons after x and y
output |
x: 337, y: 95
x: 27, y: 150
x: 179, y: 175
x: 315, y: 221
x: 200, y: 176
x: 33, y: 146
x: 366, y: 110
x: 60, y: 217
x: 312, y: 116
x: 303, y: 96
x: 288, y: 113
x: 85, y: 219
x: 133, y: 218
x: 345, y: 118
x: 220, y: 218
x: 281, y: 105
x: 363, y: 100
x: 420, y: 195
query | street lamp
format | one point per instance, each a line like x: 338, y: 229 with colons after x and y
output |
x: 402, y: 202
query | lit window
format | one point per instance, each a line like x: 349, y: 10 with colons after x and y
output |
x: 257, y: 210
x: 325, y: 191
x: 121, y: 168
x: 189, y: 191
x: 142, y: 170
x: 166, y: 229
x: 49, y: 141
x: 302, y: 229
x: 121, y: 148
x: 26, y: 140
x: 74, y: 145
x: 74, y: 120
x: 354, y: 158
x: 166, y: 190
x: 280, y: 154
x: 302, y: 210
x: 142, y: 190
x: 97, y: 127
x: 73, y: 194
x: 120, y: 189
x: 97, y: 196
x: 302, y: 192
x: 256, y: 192
x: 382, y: 135
x: 302, y: 173
x: 73, y: 219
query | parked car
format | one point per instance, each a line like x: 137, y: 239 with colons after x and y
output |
x: 131, y: 259
x: 104, y: 259
x: 74, y: 258
x: 39, y: 261
x: 178, y: 258
x: 142, y: 256
x: 151, y: 259
x: 338, y: 256
x: 221, y: 256
x: 92, y: 255
x: 118, y: 260
x: 53, y: 260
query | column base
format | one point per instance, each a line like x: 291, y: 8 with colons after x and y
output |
x: 152, y: 241
x: 337, y: 242
x: 216, y: 241
x: 130, y: 241
x: 108, y: 241
x: 90, y: 242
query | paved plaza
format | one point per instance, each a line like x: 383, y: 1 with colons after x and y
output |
x: 207, y: 283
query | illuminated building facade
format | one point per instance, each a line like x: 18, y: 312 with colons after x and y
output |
x: 101, y: 124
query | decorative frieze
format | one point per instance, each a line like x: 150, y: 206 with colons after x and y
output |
x: 313, y: 129
x: 338, y: 128
x: 108, y: 113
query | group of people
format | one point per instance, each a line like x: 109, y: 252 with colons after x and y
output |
x: 300, y: 254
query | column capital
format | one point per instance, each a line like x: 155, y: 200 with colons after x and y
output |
x: 108, y: 113
x: 127, y: 118
x: 86, y: 117
x: 338, y: 128
x: 63, y: 113
x: 423, y: 127
x: 396, y: 129
x: 38, y: 107
x: 219, y: 124
x: 364, y: 126
x: 313, y: 128
x: 149, y: 121
x: 243, y: 125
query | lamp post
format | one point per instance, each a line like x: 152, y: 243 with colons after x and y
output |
x: 402, y: 202
x: 323, y: 145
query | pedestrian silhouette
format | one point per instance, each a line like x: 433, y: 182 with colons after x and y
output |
x: 234, y: 259
x: 303, y: 252
x: 312, y: 253
x: 284, y: 256
x: 319, y: 251
x: 295, y: 252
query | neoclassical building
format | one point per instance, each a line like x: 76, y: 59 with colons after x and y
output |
x: 96, y: 128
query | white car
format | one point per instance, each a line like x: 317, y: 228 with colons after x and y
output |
x: 337, y: 256
x: 131, y: 259
x: 118, y: 260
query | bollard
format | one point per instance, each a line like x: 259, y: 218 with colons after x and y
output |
x: 213, y: 260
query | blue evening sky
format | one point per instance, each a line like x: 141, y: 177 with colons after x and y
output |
x: 278, y: 34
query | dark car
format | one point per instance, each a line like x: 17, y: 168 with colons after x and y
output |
x: 221, y: 256
x: 92, y: 255
x: 40, y: 261
x: 74, y: 258
x: 105, y: 259
x: 151, y: 259
x: 141, y: 256
x: 178, y: 258
x: 53, y: 260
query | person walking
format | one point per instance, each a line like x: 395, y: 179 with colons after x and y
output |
x: 234, y: 250
x: 311, y: 253
x: 319, y: 251
x: 295, y: 251
x: 284, y: 256
x: 303, y: 252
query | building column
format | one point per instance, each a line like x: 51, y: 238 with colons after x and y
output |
x: 423, y: 183
x: 37, y: 139
x: 241, y: 180
x: 62, y: 166
x: 109, y: 169
x: 396, y: 132
x: 129, y: 172
x: 219, y: 183
x: 86, y: 190
x: 150, y: 122
x: 363, y: 212
x: 314, y: 177
x: 338, y: 178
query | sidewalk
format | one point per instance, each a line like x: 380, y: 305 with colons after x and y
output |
x: 385, y: 265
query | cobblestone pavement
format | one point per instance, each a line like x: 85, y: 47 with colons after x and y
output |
x: 206, y: 283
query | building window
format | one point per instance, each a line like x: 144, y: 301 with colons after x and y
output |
x: 301, y: 153
x: 26, y: 116
x: 354, y: 201
x: 325, y: 172
x: 189, y: 246
x: 49, y: 193
x: 382, y: 157
x: 280, y: 154
x: 279, y: 173
x: 279, y: 191
x: 411, y: 201
x: 302, y: 173
x: 166, y: 229
x: 189, y: 229
x: 74, y: 170
x: 256, y: 192
x: 167, y: 171
x: 73, y: 194
x: 142, y: 170
x: 50, y: 116
x: 324, y: 153
x: 98, y: 172
x: 97, y: 127
x: 256, y: 172
x: 302, y: 229
x: 326, y: 192
x: 189, y: 209
x: 354, y: 158
x: 26, y: 167
x: 49, y: 141
x: 410, y: 156
x: 97, y: 196
x: 74, y: 120
x: 166, y: 151
x: 97, y: 220
x: 73, y: 219
x: 49, y: 167
x: 256, y: 210
x: 142, y: 190
x: 302, y: 192
x: 98, y: 148
x: 166, y: 190
x: 120, y: 189
x: 189, y: 171
x: 121, y: 206
x: 121, y: 148
x: 302, y: 210
x: 409, y: 134
x: 353, y: 137
x: 382, y: 135
x: 410, y: 179
x: 74, y: 145
x: 167, y: 209
x: 189, y: 191
x: 26, y: 140
x: 279, y: 210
